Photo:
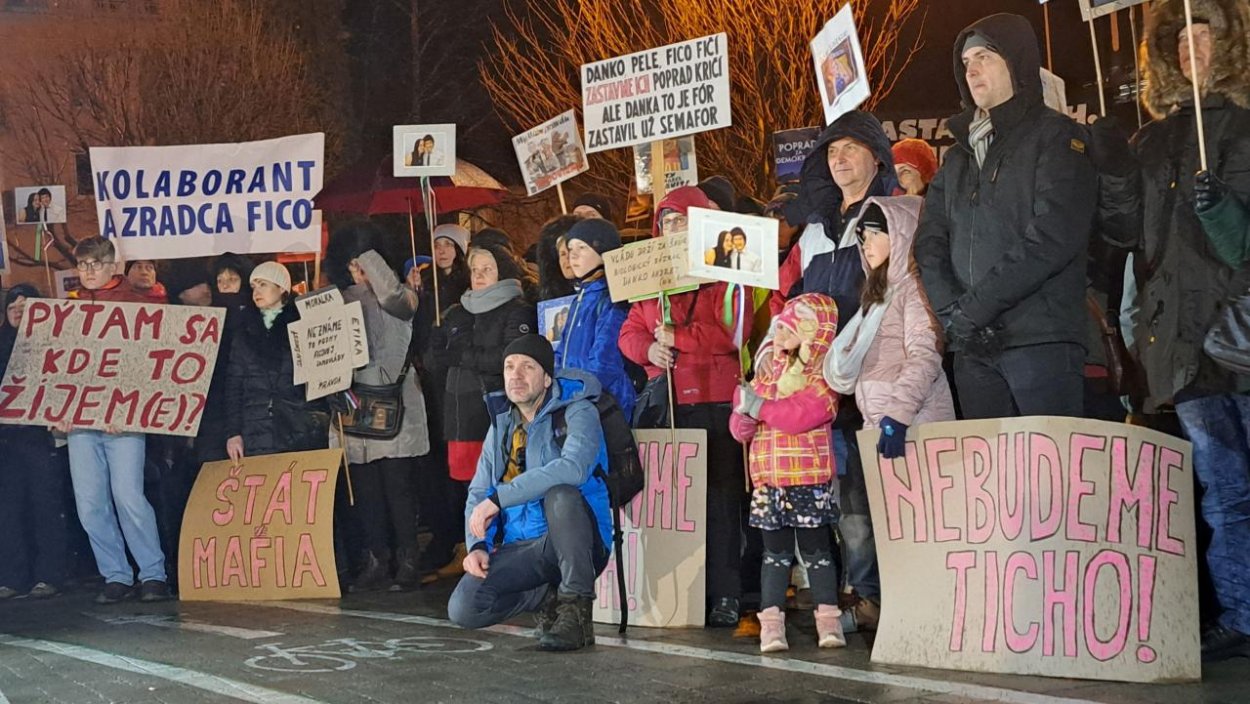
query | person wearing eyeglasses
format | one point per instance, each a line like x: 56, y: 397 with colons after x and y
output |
x: 106, y: 467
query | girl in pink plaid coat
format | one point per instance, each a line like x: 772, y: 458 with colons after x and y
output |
x: 785, y: 413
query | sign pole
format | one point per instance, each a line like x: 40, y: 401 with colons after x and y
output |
x: 427, y: 202
x: 1193, y: 80
x: 1093, y: 40
x: 657, y: 174
x: 1050, y: 60
x: 564, y: 208
x: 412, y: 231
x: 1132, y: 24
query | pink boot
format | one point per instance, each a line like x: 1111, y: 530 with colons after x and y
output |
x: 772, y: 630
x: 829, y: 627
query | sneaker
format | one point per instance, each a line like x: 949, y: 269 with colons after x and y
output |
x: 829, y: 627
x: 1221, y: 643
x: 7, y: 593
x: 114, y: 592
x: 43, y: 590
x: 772, y: 630
x: 154, y: 590
x: 724, y: 614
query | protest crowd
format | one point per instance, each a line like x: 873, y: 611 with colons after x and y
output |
x: 910, y: 293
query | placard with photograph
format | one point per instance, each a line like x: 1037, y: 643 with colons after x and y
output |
x: 551, y: 153
x: 39, y: 204
x: 1097, y: 8
x: 681, y: 165
x: 740, y: 249
x: 424, y: 150
x: 553, y: 315
x: 840, y: 72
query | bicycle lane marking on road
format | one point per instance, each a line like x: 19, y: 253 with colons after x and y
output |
x: 167, y: 621
x: 214, y: 684
x: 957, y: 689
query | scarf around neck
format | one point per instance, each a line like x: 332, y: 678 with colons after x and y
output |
x: 491, y: 297
x: 980, y: 134
x: 846, y: 356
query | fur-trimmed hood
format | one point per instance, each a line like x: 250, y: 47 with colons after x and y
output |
x: 1167, y: 87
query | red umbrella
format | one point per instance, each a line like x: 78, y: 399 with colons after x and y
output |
x: 371, y: 189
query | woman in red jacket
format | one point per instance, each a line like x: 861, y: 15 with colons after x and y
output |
x: 700, y: 345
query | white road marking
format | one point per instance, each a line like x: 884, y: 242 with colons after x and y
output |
x: 215, y: 684
x: 957, y: 689
x: 3, y: 699
x: 167, y: 621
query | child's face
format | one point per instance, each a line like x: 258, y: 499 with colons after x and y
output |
x: 876, y: 247
x: 786, y: 339
x: 93, y: 273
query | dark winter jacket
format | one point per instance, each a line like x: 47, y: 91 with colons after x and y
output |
x: 34, y: 435
x: 467, y: 352
x: 1006, y: 242
x: 589, y: 341
x: 261, y: 374
x: 548, y: 463
x: 1186, y: 263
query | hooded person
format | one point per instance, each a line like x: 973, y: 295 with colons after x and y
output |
x: 1191, y: 259
x: 696, y: 339
x: 720, y: 191
x: 593, y: 205
x: 850, y: 161
x: 589, y: 338
x: 230, y: 281
x: 1003, y: 237
x: 555, y: 279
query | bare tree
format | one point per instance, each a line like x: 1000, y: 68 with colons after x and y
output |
x: 533, y: 72
x: 198, y: 73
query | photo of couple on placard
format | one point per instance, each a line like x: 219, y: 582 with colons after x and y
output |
x: 424, y: 150
x: 740, y: 249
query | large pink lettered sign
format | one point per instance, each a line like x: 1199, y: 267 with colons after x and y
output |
x: 1045, y: 546
x: 665, y: 536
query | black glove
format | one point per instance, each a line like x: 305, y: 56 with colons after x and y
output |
x: 1208, y: 191
x: 959, y: 329
x: 893, y: 440
x: 963, y: 336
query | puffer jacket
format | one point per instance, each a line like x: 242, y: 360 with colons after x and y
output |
x: 117, y: 290
x: 1187, y: 264
x: 902, y: 375
x: 548, y: 464
x: 388, y: 307
x: 589, y: 341
x: 467, y: 352
x: 260, y: 372
x: 1006, y: 242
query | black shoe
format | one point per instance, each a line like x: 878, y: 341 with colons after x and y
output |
x: 545, y: 617
x: 154, y: 590
x: 114, y: 592
x: 1221, y: 643
x: 374, y: 573
x: 573, y: 628
x: 407, y: 576
x: 724, y: 614
x: 43, y: 590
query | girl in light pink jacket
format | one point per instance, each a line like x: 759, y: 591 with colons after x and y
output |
x: 890, y: 353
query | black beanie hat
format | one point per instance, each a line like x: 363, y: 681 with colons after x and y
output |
x: 535, y: 347
x: 600, y: 235
x: 873, y: 218
x: 598, y: 201
x: 720, y: 191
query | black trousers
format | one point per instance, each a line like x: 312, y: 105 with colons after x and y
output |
x: 34, y: 543
x: 1037, y: 380
x: 727, y: 498
x: 385, y: 504
x: 435, y: 496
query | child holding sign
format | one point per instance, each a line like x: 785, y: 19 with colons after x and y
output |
x: 785, y: 414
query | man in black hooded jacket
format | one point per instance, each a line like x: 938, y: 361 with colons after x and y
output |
x: 1002, y: 240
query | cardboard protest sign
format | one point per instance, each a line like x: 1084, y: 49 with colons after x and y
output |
x: 647, y: 267
x: 207, y: 199
x: 665, y: 537
x: 262, y: 530
x: 1040, y: 546
x: 551, y: 153
x: 740, y: 249
x: 39, y: 204
x: 327, y: 342
x: 4, y: 243
x: 840, y: 72
x: 790, y: 148
x: 670, y: 91
x: 681, y: 166
x: 136, y: 367
x: 424, y: 150
x: 1054, y: 92
x: 1097, y: 8
x: 553, y: 315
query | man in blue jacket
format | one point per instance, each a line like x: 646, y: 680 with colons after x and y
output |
x: 537, y: 518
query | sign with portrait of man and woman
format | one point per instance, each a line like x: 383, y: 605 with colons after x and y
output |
x: 740, y: 249
x: 424, y: 150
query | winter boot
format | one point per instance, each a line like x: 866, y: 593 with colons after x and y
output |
x: 829, y: 627
x: 407, y: 576
x: 374, y: 572
x: 772, y: 630
x: 572, y: 625
x: 545, y: 617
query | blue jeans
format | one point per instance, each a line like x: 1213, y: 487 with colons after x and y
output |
x: 855, y: 525
x: 107, y: 471
x: 1219, y: 428
x: 571, y: 555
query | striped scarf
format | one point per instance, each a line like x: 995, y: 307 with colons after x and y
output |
x: 980, y: 135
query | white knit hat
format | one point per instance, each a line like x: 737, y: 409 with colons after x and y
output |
x: 274, y: 273
x: 455, y: 233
